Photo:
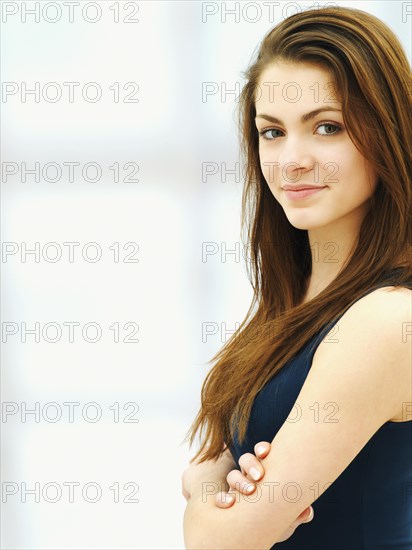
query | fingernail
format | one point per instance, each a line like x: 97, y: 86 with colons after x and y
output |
x: 311, y: 515
x: 249, y: 487
x: 254, y: 473
x: 226, y: 498
x: 260, y: 449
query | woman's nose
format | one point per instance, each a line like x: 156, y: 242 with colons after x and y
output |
x: 295, y: 158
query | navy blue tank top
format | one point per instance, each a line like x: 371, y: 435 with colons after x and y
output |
x: 369, y: 506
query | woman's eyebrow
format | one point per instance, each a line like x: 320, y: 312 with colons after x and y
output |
x: 303, y: 118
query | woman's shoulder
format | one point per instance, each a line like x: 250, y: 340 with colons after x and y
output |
x: 386, y: 292
x: 382, y: 317
x: 386, y: 302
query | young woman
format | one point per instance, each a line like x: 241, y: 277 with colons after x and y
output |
x: 326, y: 107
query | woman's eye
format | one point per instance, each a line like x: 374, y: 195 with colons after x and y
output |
x: 328, y: 126
x: 263, y: 133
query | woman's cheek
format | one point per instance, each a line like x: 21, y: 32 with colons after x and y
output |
x: 271, y: 173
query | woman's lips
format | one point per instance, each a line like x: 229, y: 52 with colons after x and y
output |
x: 296, y: 195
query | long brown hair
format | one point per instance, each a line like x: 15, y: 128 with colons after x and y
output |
x: 371, y: 73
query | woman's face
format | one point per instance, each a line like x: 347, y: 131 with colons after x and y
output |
x: 315, y: 150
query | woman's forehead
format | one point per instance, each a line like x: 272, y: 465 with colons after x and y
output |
x: 300, y: 87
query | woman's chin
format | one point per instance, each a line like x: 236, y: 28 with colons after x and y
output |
x: 303, y: 222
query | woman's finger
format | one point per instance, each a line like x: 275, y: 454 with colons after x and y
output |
x: 238, y: 482
x: 304, y: 517
x: 224, y: 500
x: 262, y: 449
x: 251, y: 466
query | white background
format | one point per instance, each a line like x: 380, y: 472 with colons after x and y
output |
x: 175, y: 214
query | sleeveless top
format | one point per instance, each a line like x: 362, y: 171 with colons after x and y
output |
x: 369, y: 506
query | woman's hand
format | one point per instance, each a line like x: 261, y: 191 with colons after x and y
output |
x: 242, y: 482
x: 209, y: 471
